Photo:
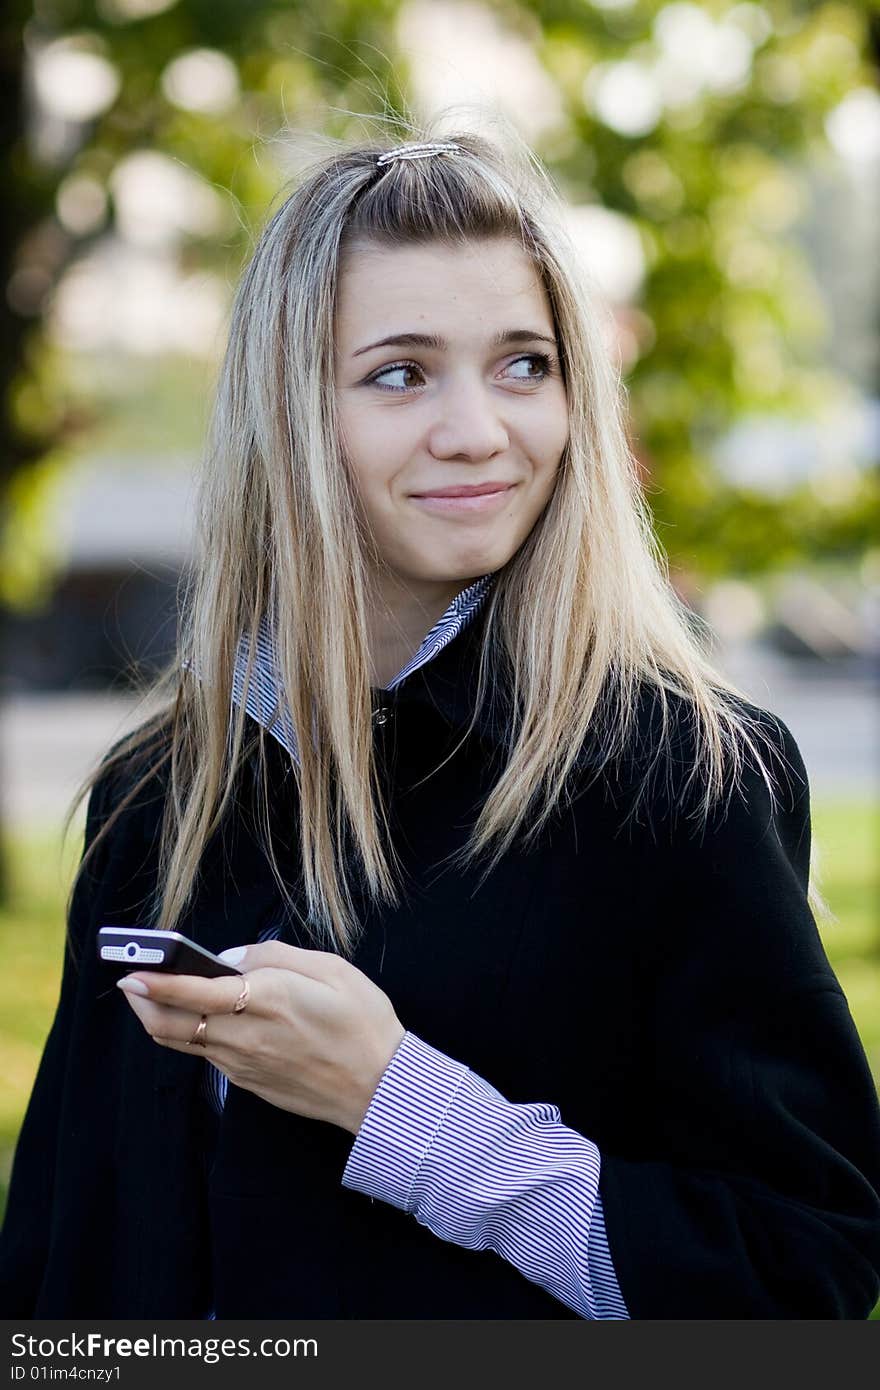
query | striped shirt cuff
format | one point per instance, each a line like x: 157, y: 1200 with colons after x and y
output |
x: 483, y: 1172
x: 407, y: 1109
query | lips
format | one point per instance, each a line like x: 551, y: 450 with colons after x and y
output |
x: 483, y: 500
x: 479, y: 490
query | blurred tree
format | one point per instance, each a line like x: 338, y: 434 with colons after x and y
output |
x: 689, y: 120
x: 694, y: 122
x: 202, y: 82
x: 27, y: 237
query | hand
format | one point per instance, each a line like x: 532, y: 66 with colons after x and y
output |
x: 315, y: 1038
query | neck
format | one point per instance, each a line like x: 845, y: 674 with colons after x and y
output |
x: 399, y: 619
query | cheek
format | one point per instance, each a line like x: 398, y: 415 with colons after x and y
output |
x: 374, y: 451
x: 558, y: 426
x: 548, y: 446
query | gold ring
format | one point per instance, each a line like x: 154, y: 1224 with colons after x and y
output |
x: 198, y: 1038
x: 241, y: 1002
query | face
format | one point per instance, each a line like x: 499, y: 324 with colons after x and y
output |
x: 451, y: 405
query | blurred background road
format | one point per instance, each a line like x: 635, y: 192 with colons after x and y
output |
x: 49, y: 741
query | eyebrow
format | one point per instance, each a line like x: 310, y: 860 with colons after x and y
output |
x: 438, y: 344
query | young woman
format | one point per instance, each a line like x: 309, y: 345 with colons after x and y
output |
x: 535, y: 1019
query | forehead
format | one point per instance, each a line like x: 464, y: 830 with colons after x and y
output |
x: 451, y: 290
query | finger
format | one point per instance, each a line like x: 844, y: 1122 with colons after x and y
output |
x: 191, y: 992
x: 323, y: 966
x: 165, y: 1024
x: 175, y: 1028
x: 208, y: 1050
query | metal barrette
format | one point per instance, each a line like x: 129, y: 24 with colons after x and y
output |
x: 422, y: 150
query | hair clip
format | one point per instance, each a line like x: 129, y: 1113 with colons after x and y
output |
x: 422, y: 150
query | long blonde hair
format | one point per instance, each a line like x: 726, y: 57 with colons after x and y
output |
x: 584, y: 612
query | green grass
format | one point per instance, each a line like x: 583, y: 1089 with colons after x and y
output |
x: 32, y: 928
x: 846, y: 837
x: 846, y: 842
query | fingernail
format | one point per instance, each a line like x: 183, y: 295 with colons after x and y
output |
x: 233, y: 955
x: 132, y: 986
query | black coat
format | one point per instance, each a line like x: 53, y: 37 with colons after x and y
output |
x: 665, y: 987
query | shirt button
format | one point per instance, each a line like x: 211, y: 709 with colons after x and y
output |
x: 381, y: 715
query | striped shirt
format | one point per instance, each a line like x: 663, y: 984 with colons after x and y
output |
x: 440, y: 1142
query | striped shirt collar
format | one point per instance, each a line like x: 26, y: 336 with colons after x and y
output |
x: 265, y: 702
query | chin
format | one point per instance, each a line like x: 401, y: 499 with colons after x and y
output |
x: 465, y: 568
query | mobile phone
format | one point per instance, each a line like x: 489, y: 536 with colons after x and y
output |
x: 133, y: 948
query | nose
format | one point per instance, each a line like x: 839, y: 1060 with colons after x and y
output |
x: 467, y: 424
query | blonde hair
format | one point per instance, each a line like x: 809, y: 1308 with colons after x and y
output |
x: 583, y: 613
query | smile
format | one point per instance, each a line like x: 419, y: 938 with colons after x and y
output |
x: 458, y: 506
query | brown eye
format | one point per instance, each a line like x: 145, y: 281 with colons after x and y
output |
x: 537, y: 361
x: 399, y: 369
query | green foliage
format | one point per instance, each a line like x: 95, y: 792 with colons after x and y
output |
x: 733, y: 322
